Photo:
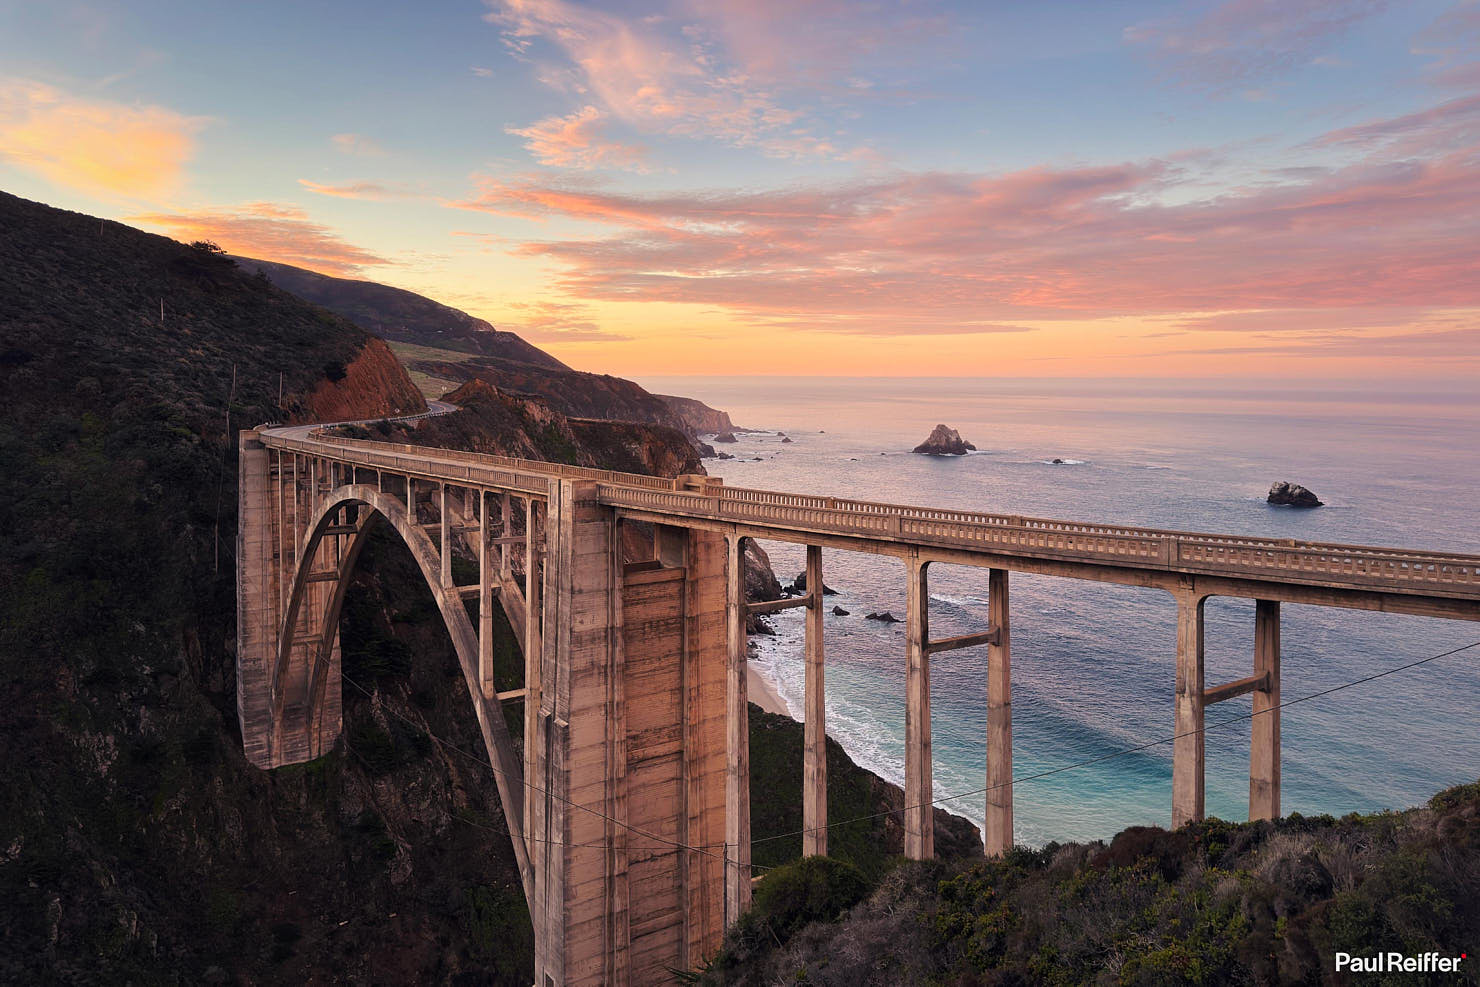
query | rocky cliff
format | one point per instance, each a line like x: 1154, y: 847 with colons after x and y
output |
x: 371, y: 384
x: 698, y: 417
x: 495, y: 421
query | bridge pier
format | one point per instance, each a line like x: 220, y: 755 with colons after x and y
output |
x: 1264, y: 742
x: 814, y: 718
x: 1187, y: 745
x: 999, y: 718
x: 919, y: 808
x: 737, y: 736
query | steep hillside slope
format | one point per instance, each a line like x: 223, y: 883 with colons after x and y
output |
x: 1212, y: 903
x: 403, y: 316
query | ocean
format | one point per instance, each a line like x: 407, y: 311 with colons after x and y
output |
x: 1093, y: 665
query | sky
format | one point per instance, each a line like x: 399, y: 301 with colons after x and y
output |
x: 1276, y: 188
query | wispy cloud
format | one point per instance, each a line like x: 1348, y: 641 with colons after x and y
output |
x: 948, y: 251
x: 546, y: 321
x: 95, y: 146
x: 268, y: 231
x: 1241, y: 40
x: 358, y: 145
x: 358, y: 190
x: 577, y: 141
x: 742, y: 74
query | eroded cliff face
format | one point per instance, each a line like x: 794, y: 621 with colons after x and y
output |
x: 494, y: 421
x: 698, y: 417
x: 371, y: 385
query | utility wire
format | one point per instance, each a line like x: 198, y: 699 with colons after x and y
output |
x: 708, y: 851
x: 1129, y: 750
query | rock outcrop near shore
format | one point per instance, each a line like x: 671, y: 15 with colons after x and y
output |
x: 1292, y: 495
x: 944, y: 441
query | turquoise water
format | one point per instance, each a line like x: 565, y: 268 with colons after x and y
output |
x: 1093, y: 664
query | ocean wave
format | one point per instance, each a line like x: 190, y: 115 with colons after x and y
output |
x: 959, y: 601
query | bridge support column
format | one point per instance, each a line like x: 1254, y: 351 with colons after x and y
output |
x: 485, y: 600
x: 737, y: 738
x: 999, y: 719
x: 256, y: 604
x: 919, y: 810
x: 1187, y: 747
x: 1264, y: 745
x: 445, y: 538
x: 814, y: 718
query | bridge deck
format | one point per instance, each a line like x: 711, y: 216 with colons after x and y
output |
x: 898, y: 529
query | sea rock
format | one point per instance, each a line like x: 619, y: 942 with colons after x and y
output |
x: 884, y: 616
x: 799, y: 585
x: 944, y: 441
x: 839, y: 612
x: 706, y: 450
x: 723, y: 455
x: 1057, y: 461
x: 1292, y: 494
x: 785, y: 439
x: 726, y: 437
x: 761, y: 583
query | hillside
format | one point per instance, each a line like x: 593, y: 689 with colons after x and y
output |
x: 1213, y: 903
x: 402, y: 316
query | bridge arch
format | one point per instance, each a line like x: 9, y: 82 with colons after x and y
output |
x: 376, y: 506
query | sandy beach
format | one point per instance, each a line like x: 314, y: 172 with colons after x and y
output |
x: 763, y: 694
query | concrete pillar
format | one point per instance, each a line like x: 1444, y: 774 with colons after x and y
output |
x: 506, y: 528
x: 256, y: 622
x: 533, y: 604
x: 445, y: 542
x: 919, y: 810
x: 1264, y: 746
x: 576, y: 887
x: 485, y: 600
x: 814, y: 719
x: 999, y: 719
x: 1187, y: 748
x: 737, y: 739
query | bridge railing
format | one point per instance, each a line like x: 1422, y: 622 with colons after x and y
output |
x: 1226, y: 555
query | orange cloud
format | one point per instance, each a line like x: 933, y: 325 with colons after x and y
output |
x: 576, y: 141
x: 94, y: 146
x: 270, y: 232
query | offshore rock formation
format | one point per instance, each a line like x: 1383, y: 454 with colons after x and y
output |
x: 944, y: 441
x: 726, y: 437
x: 1292, y: 495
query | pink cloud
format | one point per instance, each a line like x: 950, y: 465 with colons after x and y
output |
x: 576, y: 141
x: 708, y: 71
x: 356, y: 190
x: 358, y: 145
x: 268, y: 231
x: 942, y: 252
x: 1239, y: 40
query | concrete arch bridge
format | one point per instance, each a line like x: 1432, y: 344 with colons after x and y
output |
x: 627, y: 798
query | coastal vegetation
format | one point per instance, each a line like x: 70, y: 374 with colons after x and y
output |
x: 1211, y: 903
